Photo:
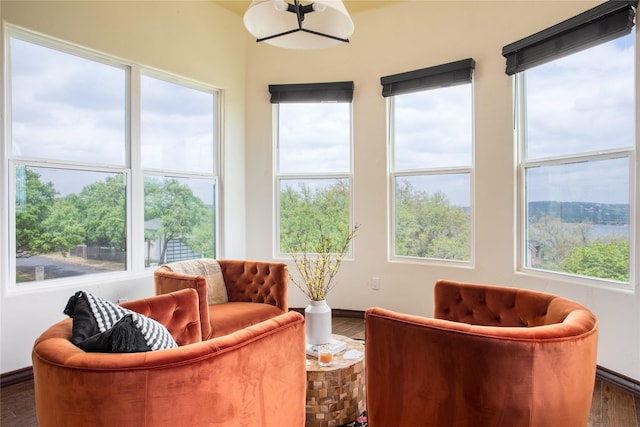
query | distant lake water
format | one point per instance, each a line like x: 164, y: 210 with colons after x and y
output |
x: 600, y: 230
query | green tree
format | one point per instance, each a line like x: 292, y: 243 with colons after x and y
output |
x: 177, y: 210
x: 606, y: 260
x: 202, y: 237
x: 102, y: 207
x: 305, y: 213
x: 570, y: 248
x: 62, y: 228
x: 557, y: 239
x: 427, y: 226
x: 34, y: 202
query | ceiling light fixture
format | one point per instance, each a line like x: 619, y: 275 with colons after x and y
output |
x: 296, y: 26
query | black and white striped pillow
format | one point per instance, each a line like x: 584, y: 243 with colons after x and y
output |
x: 100, y: 325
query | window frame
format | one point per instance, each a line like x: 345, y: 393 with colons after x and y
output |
x: 518, y: 71
x: 214, y: 175
x: 432, y: 78
x: 132, y: 169
x: 339, y: 92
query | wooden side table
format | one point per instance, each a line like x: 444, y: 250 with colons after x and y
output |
x: 336, y: 393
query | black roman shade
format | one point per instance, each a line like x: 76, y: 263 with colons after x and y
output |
x: 443, y: 75
x: 312, y: 92
x: 605, y: 22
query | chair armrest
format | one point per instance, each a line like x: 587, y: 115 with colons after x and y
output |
x: 256, y: 281
x: 167, y: 281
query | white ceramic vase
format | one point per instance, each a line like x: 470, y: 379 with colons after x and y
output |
x: 317, y: 317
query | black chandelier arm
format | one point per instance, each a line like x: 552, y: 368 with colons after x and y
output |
x: 295, y: 30
x: 324, y: 35
x: 278, y: 35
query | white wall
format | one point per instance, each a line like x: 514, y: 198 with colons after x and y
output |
x: 405, y: 37
x: 193, y: 39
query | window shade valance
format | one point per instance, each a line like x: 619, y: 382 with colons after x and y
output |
x: 428, y: 78
x: 312, y: 92
x: 603, y: 23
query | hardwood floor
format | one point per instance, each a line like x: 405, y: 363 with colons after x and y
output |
x: 611, y: 406
x: 18, y: 405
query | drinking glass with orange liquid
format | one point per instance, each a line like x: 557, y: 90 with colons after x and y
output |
x: 325, y: 355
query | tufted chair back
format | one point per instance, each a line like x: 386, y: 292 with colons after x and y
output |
x: 177, y: 311
x: 493, y: 305
x: 492, y: 357
x: 256, y: 281
x: 256, y: 291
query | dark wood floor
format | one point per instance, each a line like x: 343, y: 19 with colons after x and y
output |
x: 611, y: 406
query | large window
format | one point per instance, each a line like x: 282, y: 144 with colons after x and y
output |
x: 178, y: 159
x: 431, y: 140
x: 313, y: 163
x: 577, y: 137
x: 88, y: 169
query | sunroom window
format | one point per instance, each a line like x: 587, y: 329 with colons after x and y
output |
x: 110, y: 169
x: 313, y: 163
x: 576, y: 128
x: 431, y: 146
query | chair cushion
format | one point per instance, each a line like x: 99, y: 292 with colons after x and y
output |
x: 232, y: 316
x: 102, y: 326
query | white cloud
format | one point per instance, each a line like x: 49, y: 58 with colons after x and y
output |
x: 583, y: 102
x: 433, y: 129
x: 314, y: 138
x: 64, y: 107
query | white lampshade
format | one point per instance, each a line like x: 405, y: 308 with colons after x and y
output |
x: 266, y: 18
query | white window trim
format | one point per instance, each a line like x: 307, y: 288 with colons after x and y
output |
x: 393, y: 174
x: 521, y: 249
x: 132, y: 168
x: 278, y: 177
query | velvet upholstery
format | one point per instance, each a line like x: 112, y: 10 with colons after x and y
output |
x: 257, y: 289
x: 253, y: 376
x: 492, y: 357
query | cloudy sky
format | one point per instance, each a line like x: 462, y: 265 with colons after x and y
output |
x: 434, y: 129
x: 72, y: 109
x: 582, y: 103
x: 314, y: 138
x: 66, y: 108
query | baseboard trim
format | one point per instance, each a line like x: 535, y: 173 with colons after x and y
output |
x: 17, y: 376
x: 336, y: 312
x: 621, y: 381
x: 352, y: 314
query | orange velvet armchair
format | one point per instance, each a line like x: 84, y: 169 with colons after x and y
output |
x: 254, y: 376
x: 491, y: 357
x: 256, y: 291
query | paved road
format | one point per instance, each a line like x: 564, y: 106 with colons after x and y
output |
x: 54, y: 268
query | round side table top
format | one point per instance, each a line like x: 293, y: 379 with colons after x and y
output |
x: 339, y: 361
